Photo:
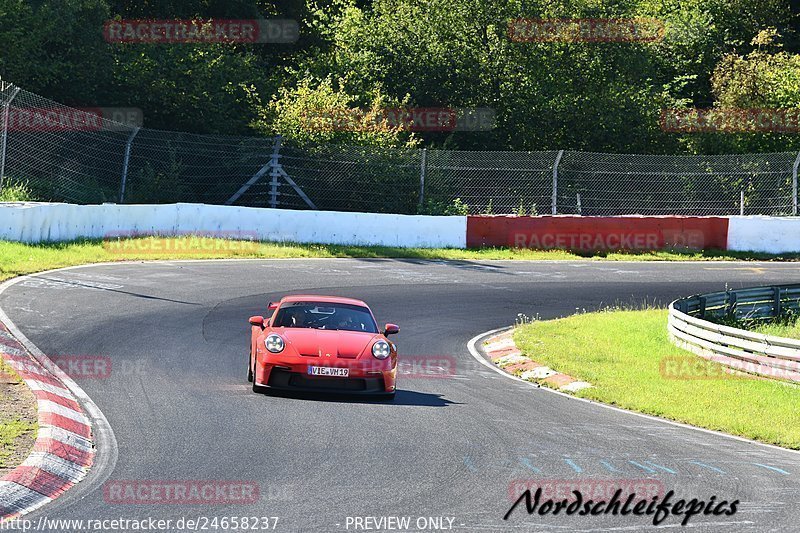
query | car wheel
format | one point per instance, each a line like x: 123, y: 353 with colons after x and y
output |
x: 249, y: 369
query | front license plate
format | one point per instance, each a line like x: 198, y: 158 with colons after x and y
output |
x: 328, y: 371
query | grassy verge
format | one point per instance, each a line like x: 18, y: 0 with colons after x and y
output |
x: 621, y: 354
x: 787, y: 328
x: 18, y: 258
x: 18, y: 420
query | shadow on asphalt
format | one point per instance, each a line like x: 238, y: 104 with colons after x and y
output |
x: 403, y: 397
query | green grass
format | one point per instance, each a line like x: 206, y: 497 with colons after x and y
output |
x: 11, y: 427
x: 17, y: 258
x: 15, y: 191
x: 789, y: 329
x: 620, y: 353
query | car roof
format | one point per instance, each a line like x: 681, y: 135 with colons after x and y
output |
x: 323, y: 299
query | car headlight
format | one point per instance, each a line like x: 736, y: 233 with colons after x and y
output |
x: 381, y: 349
x: 274, y: 343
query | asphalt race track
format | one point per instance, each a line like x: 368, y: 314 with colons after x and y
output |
x: 181, y: 409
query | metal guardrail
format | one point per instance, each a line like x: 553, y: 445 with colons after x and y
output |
x: 742, y: 350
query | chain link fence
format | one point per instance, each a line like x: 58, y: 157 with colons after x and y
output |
x: 70, y: 155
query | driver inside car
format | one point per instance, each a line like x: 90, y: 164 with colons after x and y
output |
x: 346, y: 322
x: 298, y: 319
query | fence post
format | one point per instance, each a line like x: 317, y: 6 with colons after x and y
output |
x: 422, y: 165
x: 794, y: 184
x: 4, y: 134
x: 741, y: 203
x: 125, y: 163
x: 275, y: 172
x: 554, y: 202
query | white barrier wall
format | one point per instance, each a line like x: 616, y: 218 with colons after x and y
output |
x: 775, y: 235
x: 35, y: 222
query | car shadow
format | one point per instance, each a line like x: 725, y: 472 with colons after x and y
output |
x: 403, y: 397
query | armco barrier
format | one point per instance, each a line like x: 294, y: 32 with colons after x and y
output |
x: 37, y: 222
x: 775, y: 235
x: 745, y: 351
x: 598, y: 233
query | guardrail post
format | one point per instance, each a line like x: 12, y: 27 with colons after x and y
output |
x: 125, y: 162
x: 794, y: 184
x: 776, y: 307
x: 554, y: 201
x: 4, y: 138
x: 702, y: 313
x: 730, y: 308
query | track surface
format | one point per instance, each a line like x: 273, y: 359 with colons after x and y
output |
x: 181, y: 409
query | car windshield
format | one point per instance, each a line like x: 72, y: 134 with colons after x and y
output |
x: 325, y: 315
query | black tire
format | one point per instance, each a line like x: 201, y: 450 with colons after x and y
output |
x: 249, y: 371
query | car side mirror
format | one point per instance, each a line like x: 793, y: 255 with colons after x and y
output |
x: 257, y: 320
x: 391, y: 329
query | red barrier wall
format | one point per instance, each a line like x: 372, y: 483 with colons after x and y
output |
x: 572, y: 232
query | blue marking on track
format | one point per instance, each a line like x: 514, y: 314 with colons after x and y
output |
x: 714, y: 468
x: 784, y: 472
x: 645, y: 468
x: 609, y: 466
x: 572, y: 464
x: 659, y: 467
x: 527, y: 462
x: 469, y: 464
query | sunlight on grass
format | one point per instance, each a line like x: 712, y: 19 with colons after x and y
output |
x: 11, y: 426
x: 18, y: 258
x: 621, y: 354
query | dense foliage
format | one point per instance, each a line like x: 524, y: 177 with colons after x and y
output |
x: 369, y: 55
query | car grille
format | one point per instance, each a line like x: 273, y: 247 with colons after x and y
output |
x: 285, y: 379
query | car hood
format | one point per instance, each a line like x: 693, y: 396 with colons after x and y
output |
x: 332, y: 343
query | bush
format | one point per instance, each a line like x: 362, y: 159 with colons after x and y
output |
x: 16, y: 191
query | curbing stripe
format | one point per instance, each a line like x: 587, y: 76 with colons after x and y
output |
x: 38, y: 385
x: 11, y: 350
x: 66, y: 437
x: 63, y: 468
x: 508, y: 358
x: 47, y: 418
x: 474, y: 351
x: 44, y: 378
x: 55, y: 398
x: 64, y: 449
x: 42, y: 481
x: 72, y: 414
x: 20, y: 365
x: 18, y: 499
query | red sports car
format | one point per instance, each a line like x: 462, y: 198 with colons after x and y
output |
x: 322, y: 343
